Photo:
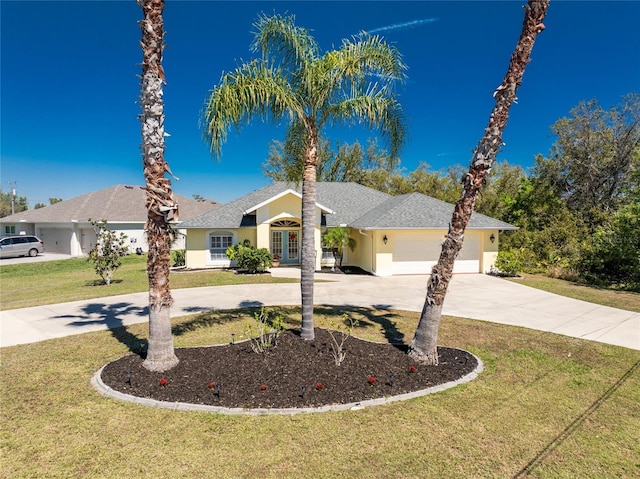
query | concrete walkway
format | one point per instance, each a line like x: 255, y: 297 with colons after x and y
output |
x: 474, y: 296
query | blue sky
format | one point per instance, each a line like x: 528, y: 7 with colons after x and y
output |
x: 69, y: 83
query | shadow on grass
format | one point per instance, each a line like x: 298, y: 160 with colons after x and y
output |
x: 99, y: 282
x: 379, y: 315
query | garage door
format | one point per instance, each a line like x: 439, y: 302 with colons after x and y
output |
x: 417, y: 253
x: 56, y: 240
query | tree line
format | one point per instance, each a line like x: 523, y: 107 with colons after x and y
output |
x: 577, y: 208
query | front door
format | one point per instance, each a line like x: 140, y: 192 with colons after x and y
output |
x: 286, y: 244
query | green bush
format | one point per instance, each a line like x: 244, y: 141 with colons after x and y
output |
x: 178, y: 257
x: 247, y: 256
x: 512, y: 261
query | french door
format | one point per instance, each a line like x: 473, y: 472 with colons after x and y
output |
x: 286, y: 244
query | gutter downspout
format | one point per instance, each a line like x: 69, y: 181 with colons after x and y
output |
x: 371, y: 238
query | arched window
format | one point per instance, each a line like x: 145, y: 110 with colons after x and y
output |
x: 286, y: 224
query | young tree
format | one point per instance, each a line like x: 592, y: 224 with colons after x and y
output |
x: 338, y: 239
x: 292, y: 78
x: 161, y: 207
x: 424, y: 346
x: 107, y: 254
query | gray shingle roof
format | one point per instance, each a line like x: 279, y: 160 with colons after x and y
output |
x: 117, y: 203
x: 354, y: 205
x: 418, y: 211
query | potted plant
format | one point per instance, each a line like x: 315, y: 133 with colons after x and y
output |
x: 276, y: 260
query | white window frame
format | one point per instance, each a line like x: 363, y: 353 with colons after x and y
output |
x: 216, y: 256
x: 9, y: 230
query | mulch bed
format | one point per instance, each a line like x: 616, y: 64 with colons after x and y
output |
x: 294, y: 374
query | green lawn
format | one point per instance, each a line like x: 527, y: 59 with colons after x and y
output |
x: 545, y: 406
x: 50, y: 282
x: 607, y: 297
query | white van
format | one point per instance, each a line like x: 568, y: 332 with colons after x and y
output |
x: 22, y: 245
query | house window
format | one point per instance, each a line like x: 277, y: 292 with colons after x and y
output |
x: 10, y: 229
x: 218, y: 244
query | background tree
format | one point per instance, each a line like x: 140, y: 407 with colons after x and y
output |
x: 315, y: 91
x: 20, y: 203
x: 161, y: 207
x: 424, y: 346
x: 343, y: 163
x: 613, y: 253
x: 52, y: 201
x: 594, y: 162
x: 108, y: 251
x: 338, y: 239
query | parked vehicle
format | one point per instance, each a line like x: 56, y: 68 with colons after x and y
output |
x: 22, y: 245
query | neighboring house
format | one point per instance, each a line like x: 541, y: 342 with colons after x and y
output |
x: 393, y: 234
x: 64, y: 227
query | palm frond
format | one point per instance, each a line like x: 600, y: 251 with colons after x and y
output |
x: 378, y: 110
x: 253, y: 89
x: 367, y: 56
x: 279, y: 39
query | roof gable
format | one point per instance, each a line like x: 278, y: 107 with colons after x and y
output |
x: 282, y: 194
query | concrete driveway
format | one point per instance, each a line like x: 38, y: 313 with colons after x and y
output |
x: 36, y: 259
x: 474, y: 296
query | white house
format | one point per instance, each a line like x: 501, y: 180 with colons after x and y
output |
x: 65, y: 228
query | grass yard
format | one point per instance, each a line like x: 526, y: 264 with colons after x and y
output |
x: 51, y: 282
x: 626, y: 300
x: 546, y: 406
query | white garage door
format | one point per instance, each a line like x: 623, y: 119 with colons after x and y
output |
x: 417, y: 253
x: 56, y: 240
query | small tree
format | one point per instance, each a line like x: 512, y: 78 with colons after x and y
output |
x: 109, y: 249
x: 338, y: 239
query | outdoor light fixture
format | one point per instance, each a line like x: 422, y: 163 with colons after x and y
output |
x: 385, y: 239
x: 492, y: 238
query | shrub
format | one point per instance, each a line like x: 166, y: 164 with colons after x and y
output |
x: 509, y: 262
x: 178, y: 257
x: 269, y: 325
x: 247, y: 256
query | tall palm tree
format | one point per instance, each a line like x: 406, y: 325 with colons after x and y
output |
x: 423, y: 347
x: 161, y: 207
x: 292, y: 78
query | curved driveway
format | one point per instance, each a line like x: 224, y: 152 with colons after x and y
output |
x: 474, y: 296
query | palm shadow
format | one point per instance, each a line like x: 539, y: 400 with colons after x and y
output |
x: 110, y: 316
x: 380, y: 315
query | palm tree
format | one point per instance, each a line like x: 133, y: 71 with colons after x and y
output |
x: 423, y: 347
x: 161, y: 206
x: 292, y: 78
x: 338, y: 239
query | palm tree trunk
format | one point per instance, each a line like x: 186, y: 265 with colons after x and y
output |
x: 423, y: 347
x: 308, y: 260
x: 161, y: 208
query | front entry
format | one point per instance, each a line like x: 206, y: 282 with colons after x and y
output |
x: 286, y: 244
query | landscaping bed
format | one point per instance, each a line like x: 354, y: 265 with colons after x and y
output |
x: 294, y: 374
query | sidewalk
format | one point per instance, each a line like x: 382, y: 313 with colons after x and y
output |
x: 472, y: 296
